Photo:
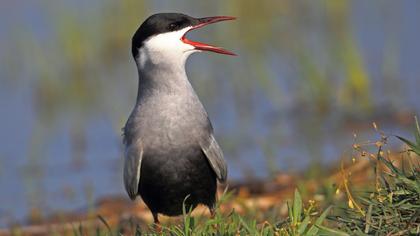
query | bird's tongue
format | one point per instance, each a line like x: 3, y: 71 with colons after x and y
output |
x: 205, y: 47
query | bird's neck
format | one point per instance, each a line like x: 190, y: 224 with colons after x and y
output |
x: 158, y: 77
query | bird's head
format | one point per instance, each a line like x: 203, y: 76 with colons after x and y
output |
x: 162, y: 37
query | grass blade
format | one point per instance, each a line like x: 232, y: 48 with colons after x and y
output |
x: 417, y: 132
x: 415, y: 148
x: 297, y: 207
x: 303, y: 225
x: 328, y: 231
x: 314, y: 229
x: 105, y: 223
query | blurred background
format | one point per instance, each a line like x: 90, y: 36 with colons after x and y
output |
x: 308, y: 75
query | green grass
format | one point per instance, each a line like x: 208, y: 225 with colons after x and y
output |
x: 393, y: 209
x: 393, y: 205
x: 302, y: 220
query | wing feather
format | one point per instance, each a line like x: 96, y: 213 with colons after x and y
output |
x: 132, y: 165
x: 215, y: 156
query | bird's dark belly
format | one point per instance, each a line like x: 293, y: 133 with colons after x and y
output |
x: 167, y: 180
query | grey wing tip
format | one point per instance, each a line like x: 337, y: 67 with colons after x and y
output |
x: 214, y: 155
x: 132, y: 196
x: 223, y: 176
x: 132, y: 192
x: 131, y: 189
x: 131, y: 172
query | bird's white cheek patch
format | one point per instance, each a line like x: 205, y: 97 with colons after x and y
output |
x: 168, y: 42
x: 165, y: 48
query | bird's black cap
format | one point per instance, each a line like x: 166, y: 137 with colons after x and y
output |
x: 160, y: 23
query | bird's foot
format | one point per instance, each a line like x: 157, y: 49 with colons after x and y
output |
x: 157, y: 226
x: 212, y: 213
x: 212, y: 216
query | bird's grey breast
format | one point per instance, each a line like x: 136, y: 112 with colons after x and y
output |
x: 167, y: 122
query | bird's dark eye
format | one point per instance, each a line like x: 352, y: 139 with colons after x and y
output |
x: 173, y: 26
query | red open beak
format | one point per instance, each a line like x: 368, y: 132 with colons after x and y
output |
x: 205, y: 47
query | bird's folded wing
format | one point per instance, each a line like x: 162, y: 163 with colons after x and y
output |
x: 215, y: 156
x: 132, y: 164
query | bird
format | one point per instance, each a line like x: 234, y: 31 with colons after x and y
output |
x: 172, y: 159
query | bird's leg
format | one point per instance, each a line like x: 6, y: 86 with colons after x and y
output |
x: 157, y: 225
x: 212, y: 212
x: 212, y: 207
x: 212, y: 216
